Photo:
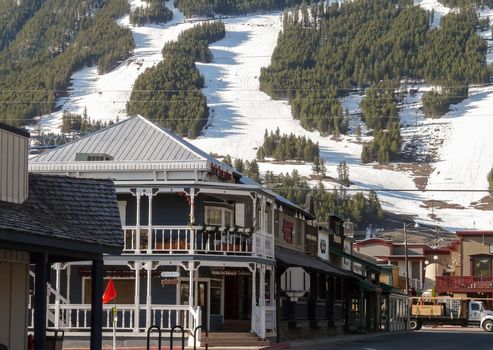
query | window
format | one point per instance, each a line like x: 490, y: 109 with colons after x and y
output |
x: 125, y: 290
x: 216, y: 287
x: 474, y: 307
x: 92, y: 157
x: 218, y: 216
x: 481, y: 266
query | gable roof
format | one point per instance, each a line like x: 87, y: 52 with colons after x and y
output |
x: 74, y: 212
x: 134, y: 140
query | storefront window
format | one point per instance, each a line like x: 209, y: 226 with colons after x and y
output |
x: 215, y: 297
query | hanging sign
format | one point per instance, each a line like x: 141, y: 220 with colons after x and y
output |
x: 170, y: 274
x: 170, y: 281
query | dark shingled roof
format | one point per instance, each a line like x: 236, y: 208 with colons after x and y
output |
x: 293, y: 258
x: 74, y: 210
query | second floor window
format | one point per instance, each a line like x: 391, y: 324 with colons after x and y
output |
x: 218, y: 216
x: 481, y: 266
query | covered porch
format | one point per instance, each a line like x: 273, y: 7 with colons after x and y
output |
x: 221, y: 293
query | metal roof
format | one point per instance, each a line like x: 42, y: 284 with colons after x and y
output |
x: 290, y: 258
x: 132, y: 140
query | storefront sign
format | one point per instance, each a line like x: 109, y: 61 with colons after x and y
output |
x: 323, y: 245
x: 295, y: 281
x: 170, y: 274
x: 230, y: 273
x: 169, y: 281
x: 358, y: 269
x: 346, y: 263
x: 287, y: 229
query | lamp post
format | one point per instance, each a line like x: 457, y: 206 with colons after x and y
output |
x: 406, y: 271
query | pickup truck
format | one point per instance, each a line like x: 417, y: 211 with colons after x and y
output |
x: 441, y: 311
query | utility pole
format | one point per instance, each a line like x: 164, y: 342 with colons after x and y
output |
x: 405, y: 259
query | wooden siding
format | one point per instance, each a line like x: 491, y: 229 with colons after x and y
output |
x: 13, y: 167
x: 14, y: 271
x: 474, y: 246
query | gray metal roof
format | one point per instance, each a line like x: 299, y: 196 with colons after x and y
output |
x: 132, y: 140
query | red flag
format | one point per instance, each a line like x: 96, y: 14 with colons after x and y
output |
x: 109, y: 293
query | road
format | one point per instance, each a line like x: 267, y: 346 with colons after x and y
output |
x: 426, y: 339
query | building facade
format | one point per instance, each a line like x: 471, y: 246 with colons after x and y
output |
x: 198, y: 236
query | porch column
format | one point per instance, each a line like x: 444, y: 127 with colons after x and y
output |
x: 192, y: 220
x: 272, y: 283
x: 191, y: 284
x: 40, y: 295
x: 149, y: 294
x: 97, y: 304
x: 69, y: 273
x: 262, y: 302
x: 137, y: 224
x: 137, y: 297
x: 149, y: 225
x: 196, y: 286
x: 57, y: 295
x: 254, y: 209
x: 254, y: 297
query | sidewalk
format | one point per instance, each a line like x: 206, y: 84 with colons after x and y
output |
x: 306, y: 343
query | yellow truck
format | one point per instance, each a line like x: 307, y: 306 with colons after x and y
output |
x: 437, y: 311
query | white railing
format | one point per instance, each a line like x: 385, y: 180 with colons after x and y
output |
x: 197, y: 240
x: 263, y: 245
x: 77, y: 317
x: 264, y: 319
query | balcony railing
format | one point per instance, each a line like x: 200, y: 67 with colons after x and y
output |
x: 197, y: 240
x: 463, y: 283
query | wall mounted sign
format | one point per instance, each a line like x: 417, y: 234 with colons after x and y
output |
x: 230, y: 273
x: 170, y: 274
x: 287, y: 229
x: 323, y: 245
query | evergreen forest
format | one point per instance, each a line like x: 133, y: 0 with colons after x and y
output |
x: 230, y: 7
x: 287, y: 147
x: 155, y: 12
x: 326, y: 51
x: 357, y: 207
x: 58, y: 38
x: 170, y: 93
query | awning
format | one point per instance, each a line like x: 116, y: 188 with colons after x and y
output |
x: 355, y: 259
x: 293, y: 258
x: 367, y: 286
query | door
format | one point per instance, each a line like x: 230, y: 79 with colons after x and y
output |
x: 475, y: 311
x: 203, y: 300
x: 231, y: 300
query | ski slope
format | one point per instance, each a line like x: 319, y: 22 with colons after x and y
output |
x: 240, y: 114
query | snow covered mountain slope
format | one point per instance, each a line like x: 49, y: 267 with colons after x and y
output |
x: 239, y: 115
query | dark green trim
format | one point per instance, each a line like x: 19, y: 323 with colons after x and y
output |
x: 353, y: 258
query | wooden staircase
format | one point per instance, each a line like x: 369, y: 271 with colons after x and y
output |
x: 239, y: 340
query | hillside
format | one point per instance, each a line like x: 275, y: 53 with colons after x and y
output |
x: 450, y: 153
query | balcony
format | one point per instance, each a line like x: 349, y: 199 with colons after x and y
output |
x: 464, y: 284
x: 197, y: 240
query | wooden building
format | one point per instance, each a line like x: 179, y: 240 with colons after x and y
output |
x: 47, y: 220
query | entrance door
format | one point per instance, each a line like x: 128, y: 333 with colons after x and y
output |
x: 203, y: 298
x: 231, y: 298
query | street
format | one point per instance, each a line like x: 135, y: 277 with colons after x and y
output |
x: 426, y: 339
